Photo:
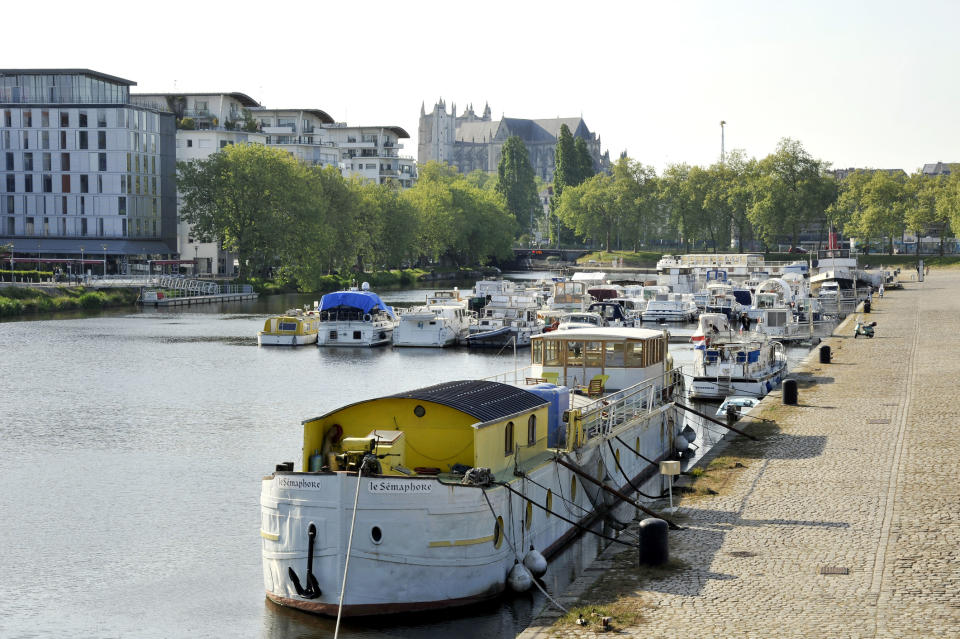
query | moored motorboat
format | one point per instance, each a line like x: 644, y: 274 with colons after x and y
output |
x: 437, y: 495
x: 443, y: 321
x: 731, y: 362
x: 357, y: 317
x: 294, y: 328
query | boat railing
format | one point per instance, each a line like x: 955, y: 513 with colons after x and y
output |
x: 601, y: 417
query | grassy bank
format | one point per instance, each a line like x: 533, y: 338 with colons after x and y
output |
x: 19, y: 300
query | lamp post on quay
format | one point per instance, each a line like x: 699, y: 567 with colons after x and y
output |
x: 82, y: 266
x: 104, y: 247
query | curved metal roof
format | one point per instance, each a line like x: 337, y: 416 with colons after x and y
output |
x: 486, y: 401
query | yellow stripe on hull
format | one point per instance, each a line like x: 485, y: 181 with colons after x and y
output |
x: 461, y: 542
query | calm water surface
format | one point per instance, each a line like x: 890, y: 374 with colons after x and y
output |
x: 131, y: 449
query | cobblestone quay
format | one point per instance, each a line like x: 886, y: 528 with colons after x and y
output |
x: 862, y: 478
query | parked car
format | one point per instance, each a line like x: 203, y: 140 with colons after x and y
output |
x: 797, y: 249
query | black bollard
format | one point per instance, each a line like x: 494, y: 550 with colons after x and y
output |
x: 654, y: 549
x: 866, y: 306
x: 790, y: 392
x: 825, y: 354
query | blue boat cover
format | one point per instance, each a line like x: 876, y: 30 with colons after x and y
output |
x: 363, y: 300
x: 753, y: 356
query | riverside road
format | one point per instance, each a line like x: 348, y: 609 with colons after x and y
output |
x: 846, y: 520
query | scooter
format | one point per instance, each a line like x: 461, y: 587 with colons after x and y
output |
x: 863, y: 329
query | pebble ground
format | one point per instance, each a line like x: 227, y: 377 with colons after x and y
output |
x: 862, y: 476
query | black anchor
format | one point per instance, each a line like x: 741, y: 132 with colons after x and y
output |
x: 312, y: 591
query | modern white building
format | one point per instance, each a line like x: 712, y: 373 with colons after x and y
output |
x: 207, y: 122
x: 373, y: 153
x: 86, y: 172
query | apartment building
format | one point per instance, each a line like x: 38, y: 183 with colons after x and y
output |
x: 206, y: 123
x: 85, y: 172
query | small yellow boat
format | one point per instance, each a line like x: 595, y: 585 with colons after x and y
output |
x: 294, y: 328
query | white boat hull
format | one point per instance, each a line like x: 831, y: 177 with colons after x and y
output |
x: 269, y: 339
x: 438, y: 544
x: 355, y: 333
x: 714, y: 388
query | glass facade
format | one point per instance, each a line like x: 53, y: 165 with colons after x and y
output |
x: 61, y: 89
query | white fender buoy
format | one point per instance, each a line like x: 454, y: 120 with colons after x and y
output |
x: 519, y: 578
x: 535, y: 562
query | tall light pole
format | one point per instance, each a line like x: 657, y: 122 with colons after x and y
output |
x: 723, y: 123
x: 104, y: 247
x: 82, y: 265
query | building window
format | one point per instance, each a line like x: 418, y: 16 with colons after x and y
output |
x: 101, y: 118
x: 84, y: 184
x: 44, y: 118
x: 28, y: 161
x: 102, y: 161
x: 26, y: 140
x: 189, y: 143
x: 9, y: 157
x: 64, y: 161
x: 101, y: 139
x: 64, y: 118
x: 44, y: 139
x: 508, y: 439
x: 65, y: 183
x: 83, y: 226
x: 11, y: 183
x: 7, y: 118
x: 532, y: 430
x: 28, y: 183
x: 29, y: 226
x: 63, y: 139
x: 63, y: 205
x: 122, y: 208
x: 47, y: 183
x: 82, y: 139
x: 27, y: 118
x: 46, y: 159
x: 83, y: 120
x: 99, y: 184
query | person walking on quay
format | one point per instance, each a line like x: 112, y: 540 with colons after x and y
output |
x: 880, y: 290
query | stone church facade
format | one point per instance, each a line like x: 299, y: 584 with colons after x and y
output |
x: 470, y: 142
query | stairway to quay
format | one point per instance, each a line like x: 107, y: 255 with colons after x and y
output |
x: 841, y: 520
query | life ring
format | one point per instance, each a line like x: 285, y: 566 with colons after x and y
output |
x: 367, y: 318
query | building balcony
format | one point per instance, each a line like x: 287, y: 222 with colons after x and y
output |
x: 286, y: 129
x: 357, y: 145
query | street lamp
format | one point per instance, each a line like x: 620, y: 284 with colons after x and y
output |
x: 104, y: 247
x: 82, y: 270
x: 196, y: 261
x: 722, y: 124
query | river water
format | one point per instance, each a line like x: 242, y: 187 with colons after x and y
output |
x: 131, y: 449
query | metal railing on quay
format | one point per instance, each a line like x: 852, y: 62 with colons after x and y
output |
x: 606, y: 413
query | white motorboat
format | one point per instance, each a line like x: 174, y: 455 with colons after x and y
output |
x: 673, y: 307
x: 732, y: 362
x: 355, y: 318
x: 442, y: 496
x: 443, y: 321
x: 740, y: 406
x: 580, y: 319
x: 506, y: 319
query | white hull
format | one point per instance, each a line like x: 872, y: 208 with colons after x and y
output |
x: 428, y: 337
x: 714, y: 388
x: 355, y: 333
x: 268, y: 339
x: 437, y: 542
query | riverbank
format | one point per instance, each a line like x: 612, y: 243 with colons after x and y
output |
x: 17, y: 300
x: 841, y: 521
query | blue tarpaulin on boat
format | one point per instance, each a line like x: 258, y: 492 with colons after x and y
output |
x: 753, y: 356
x: 363, y: 300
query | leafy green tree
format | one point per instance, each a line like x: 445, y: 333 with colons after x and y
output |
x: 790, y: 193
x: 566, y: 170
x: 592, y: 208
x: 882, y: 210
x: 679, y: 199
x: 254, y: 198
x: 635, y: 187
x: 516, y: 183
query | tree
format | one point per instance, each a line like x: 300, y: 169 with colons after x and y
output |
x: 635, y: 188
x: 252, y: 197
x: 882, y: 208
x: 516, y: 183
x: 790, y: 193
x: 566, y: 170
x: 592, y: 209
x: 585, y: 169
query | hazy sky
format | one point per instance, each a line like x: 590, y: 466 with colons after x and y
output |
x: 858, y: 83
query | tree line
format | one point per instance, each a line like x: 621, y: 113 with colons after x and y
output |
x: 300, y: 222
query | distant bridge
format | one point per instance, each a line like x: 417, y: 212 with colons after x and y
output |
x: 567, y: 255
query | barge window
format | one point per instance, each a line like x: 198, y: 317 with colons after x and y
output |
x: 633, y: 355
x: 508, y: 439
x: 613, y: 354
x: 594, y: 354
x: 552, y: 355
x: 574, y: 353
x: 536, y: 351
x: 532, y: 430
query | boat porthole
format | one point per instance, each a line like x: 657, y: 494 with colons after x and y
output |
x: 498, y: 533
x: 573, y: 488
x: 376, y: 534
x: 529, y: 521
x: 549, y: 502
x: 419, y: 410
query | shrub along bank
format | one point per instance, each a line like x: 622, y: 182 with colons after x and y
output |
x: 19, y: 300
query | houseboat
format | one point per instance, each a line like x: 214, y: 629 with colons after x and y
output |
x: 505, y: 320
x: 674, y: 307
x: 442, y: 496
x: 355, y: 318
